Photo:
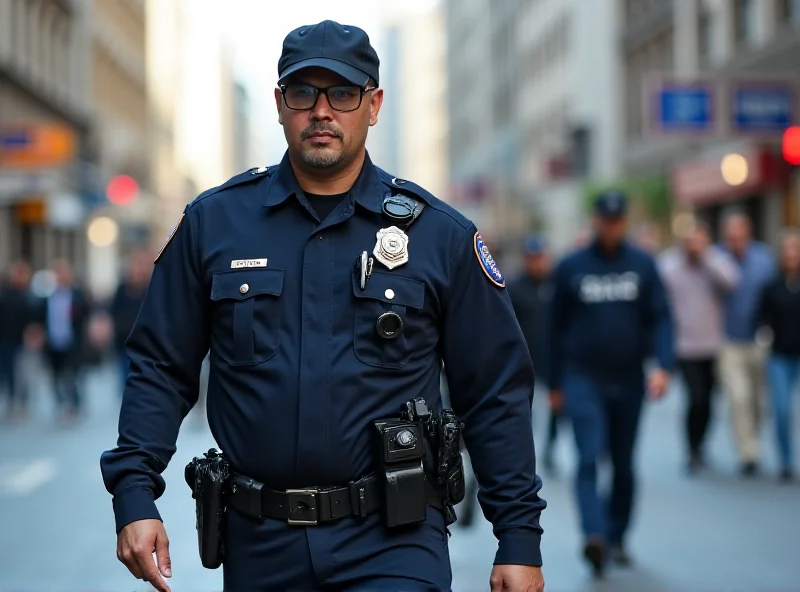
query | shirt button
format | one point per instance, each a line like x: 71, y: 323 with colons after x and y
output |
x: 389, y: 293
x: 244, y: 288
x: 319, y: 237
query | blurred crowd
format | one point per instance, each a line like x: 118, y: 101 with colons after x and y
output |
x: 735, y: 309
x: 50, y: 316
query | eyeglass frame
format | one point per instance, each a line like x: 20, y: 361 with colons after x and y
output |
x: 320, y: 90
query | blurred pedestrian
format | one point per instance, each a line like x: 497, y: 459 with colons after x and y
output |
x: 16, y: 316
x: 530, y: 294
x: 64, y: 317
x: 608, y: 307
x: 780, y: 310
x: 742, y: 358
x: 697, y: 276
x: 125, y: 306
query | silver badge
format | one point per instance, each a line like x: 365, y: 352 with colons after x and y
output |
x: 392, y: 247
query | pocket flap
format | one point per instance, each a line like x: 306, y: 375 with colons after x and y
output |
x: 404, y: 291
x: 240, y: 285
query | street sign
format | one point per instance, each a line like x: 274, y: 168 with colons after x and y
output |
x: 762, y: 106
x: 685, y: 107
x: 36, y: 144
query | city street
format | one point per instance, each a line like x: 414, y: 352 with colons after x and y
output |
x: 714, y: 532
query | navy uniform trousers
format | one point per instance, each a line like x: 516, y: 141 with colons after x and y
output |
x: 605, y: 419
x: 350, y: 555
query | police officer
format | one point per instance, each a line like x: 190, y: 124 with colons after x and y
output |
x: 609, y: 311
x: 530, y: 294
x: 329, y: 292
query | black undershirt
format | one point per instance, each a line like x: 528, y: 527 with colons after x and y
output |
x: 323, y: 205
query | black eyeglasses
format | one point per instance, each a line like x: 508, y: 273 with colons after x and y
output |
x: 302, y: 97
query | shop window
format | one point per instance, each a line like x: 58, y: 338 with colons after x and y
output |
x: 704, y: 39
x: 789, y: 11
x: 744, y: 21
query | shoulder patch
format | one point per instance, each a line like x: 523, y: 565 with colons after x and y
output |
x: 169, y: 238
x: 488, y: 264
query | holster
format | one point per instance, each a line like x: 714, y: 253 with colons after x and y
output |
x: 209, y: 479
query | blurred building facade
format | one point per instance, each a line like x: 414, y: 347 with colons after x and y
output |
x: 710, y: 85
x: 534, y: 111
x: 242, y: 133
x: 476, y: 50
x: 119, y: 138
x: 120, y: 109
x: 45, y: 121
x: 410, y: 139
x: 567, y: 108
x: 200, y: 128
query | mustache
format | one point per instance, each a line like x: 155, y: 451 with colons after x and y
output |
x: 320, y: 126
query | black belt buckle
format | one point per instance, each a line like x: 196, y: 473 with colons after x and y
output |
x: 303, y: 506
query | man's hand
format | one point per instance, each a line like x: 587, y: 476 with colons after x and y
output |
x: 556, y: 400
x: 657, y: 383
x: 517, y: 578
x: 135, y: 545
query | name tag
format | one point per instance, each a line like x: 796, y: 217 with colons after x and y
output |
x: 240, y: 263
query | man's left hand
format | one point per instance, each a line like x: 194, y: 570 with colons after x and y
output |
x: 517, y: 578
x: 657, y: 383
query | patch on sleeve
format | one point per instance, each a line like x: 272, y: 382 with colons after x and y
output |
x: 169, y: 238
x: 487, y: 262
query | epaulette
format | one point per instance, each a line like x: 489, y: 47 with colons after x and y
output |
x: 406, y: 187
x: 248, y: 176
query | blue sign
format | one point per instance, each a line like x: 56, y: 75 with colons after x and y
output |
x: 685, y: 108
x: 762, y: 108
x: 14, y: 138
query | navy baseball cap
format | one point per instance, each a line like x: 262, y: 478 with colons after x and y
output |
x: 611, y: 204
x: 342, y: 49
x: 535, y: 245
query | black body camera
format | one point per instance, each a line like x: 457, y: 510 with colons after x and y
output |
x: 401, y: 450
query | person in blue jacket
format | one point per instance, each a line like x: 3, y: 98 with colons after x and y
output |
x: 330, y: 293
x: 609, y: 312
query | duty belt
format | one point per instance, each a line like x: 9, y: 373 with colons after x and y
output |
x: 312, y: 506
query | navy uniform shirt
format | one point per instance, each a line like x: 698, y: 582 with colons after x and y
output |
x: 298, y: 373
x: 609, y: 313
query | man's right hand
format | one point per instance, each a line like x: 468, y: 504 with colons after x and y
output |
x: 136, y: 543
x: 556, y: 401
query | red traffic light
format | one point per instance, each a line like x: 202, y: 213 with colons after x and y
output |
x: 122, y: 190
x: 791, y: 145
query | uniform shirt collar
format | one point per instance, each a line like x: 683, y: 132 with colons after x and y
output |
x: 368, y: 189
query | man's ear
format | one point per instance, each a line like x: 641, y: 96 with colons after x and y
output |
x: 279, y: 105
x: 375, y: 105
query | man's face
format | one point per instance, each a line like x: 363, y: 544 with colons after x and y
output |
x: 140, y: 269
x: 62, y: 271
x: 737, y: 235
x: 20, y: 275
x: 790, y: 254
x: 537, y: 264
x: 610, y: 230
x: 321, y: 137
x: 696, y: 242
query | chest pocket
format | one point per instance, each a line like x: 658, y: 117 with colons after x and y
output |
x: 247, y: 321
x: 386, y: 293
